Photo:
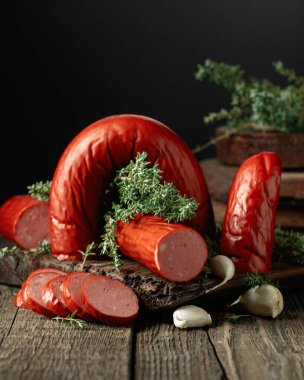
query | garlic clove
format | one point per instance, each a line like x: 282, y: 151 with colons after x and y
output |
x: 191, y: 316
x: 222, y: 267
x: 265, y: 301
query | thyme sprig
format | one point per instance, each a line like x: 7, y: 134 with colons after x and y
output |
x: 256, y: 279
x: 40, y: 190
x: 88, y: 252
x: 233, y: 318
x: 213, y: 246
x: 71, y: 320
x: 255, y: 103
x: 43, y: 248
x: 141, y: 191
x: 288, y: 246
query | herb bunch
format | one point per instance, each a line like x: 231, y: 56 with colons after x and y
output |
x: 40, y: 190
x: 141, y: 191
x: 256, y: 103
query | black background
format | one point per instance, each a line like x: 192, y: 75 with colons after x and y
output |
x: 73, y: 62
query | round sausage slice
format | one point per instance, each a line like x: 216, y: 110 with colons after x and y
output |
x: 25, y: 220
x: 110, y: 301
x: 52, y: 297
x: 20, y: 299
x: 71, y: 290
x: 32, y: 293
x: 173, y: 251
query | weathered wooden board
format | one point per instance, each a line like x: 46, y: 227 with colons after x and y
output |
x: 165, y: 352
x: 284, y: 218
x: 153, y: 291
x: 219, y: 178
x: 34, y: 347
x: 262, y: 348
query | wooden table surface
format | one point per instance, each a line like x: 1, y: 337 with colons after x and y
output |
x: 33, y: 347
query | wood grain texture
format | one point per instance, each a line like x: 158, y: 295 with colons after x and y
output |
x: 166, y: 352
x: 262, y: 348
x: 39, y: 348
x: 8, y: 311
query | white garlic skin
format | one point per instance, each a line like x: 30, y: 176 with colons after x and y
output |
x: 265, y: 300
x: 222, y: 267
x: 191, y: 316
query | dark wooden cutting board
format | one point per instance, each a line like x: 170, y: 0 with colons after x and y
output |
x: 153, y: 291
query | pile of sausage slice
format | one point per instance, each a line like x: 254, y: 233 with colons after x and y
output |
x: 51, y: 292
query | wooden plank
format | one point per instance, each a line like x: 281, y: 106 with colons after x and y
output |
x: 261, y: 348
x: 7, y: 310
x: 165, y: 352
x: 39, y: 348
x: 219, y: 178
x: 284, y: 218
x: 153, y: 291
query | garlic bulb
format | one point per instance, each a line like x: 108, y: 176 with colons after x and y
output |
x: 222, y: 267
x: 191, y: 316
x: 265, y: 300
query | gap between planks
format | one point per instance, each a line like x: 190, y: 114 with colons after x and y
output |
x: 34, y: 347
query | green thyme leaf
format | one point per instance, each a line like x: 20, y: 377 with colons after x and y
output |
x: 88, y: 252
x: 43, y: 248
x: 233, y: 318
x: 256, y: 103
x: 40, y: 190
x: 256, y: 279
x: 288, y: 246
x: 71, y: 320
x: 141, y: 191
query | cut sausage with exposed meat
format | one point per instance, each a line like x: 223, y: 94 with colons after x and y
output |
x: 110, y: 301
x: 19, y: 299
x: 89, y: 163
x: 52, y: 297
x: 173, y: 251
x: 32, y: 293
x: 71, y: 289
x: 24, y: 220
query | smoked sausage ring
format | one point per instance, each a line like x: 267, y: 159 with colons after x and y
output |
x: 77, y: 197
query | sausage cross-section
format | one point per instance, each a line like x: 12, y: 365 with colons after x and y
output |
x: 19, y: 299
x: 52, y: 297
x: 24, y: 220
x: 32, y: 293
x: 110, y: 301
x: 71, y: 290
x: 173, y: 251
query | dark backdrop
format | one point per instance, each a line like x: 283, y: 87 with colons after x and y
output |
x: 73, y: 62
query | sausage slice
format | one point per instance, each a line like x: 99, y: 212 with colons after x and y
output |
x: 52, y: 297
x: 110, y: 301
x: 32, y: 293
x: 19, y: 299
x: 71, y: 290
